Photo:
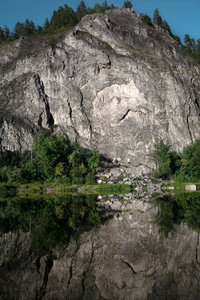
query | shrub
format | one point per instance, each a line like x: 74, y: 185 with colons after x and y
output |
x: 90, y: 179
x: 162, y: 159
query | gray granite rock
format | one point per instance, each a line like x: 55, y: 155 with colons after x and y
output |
x: 112, y: 83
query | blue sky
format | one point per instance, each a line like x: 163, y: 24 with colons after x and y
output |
x: 181, y: 15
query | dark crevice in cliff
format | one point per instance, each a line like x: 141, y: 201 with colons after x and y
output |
x: 70, y: 274
x: 63, y: 65
x: 83, y: 286
x: 196, y: 102
x: 40, y: 88
x: 124, y: 116
x: 37, y: 263
x: 127, y: 263
x: 188, y: 125
x: 85, y: 273
x: 85, y: 114
x: 48, y: 266
x: 71, y: 267
x: 71, y: 119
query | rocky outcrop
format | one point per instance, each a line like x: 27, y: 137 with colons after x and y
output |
x: 126, y: 258
x: 112, y: 83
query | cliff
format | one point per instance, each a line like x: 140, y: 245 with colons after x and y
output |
x: 112, y: 83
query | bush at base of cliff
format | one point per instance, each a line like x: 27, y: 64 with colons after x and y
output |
x: 52, y: 158
x: 183, y: 167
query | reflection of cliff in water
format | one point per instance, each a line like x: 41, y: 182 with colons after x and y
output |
x: 127, y: 257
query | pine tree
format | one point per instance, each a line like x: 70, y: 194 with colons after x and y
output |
x: 112, y: 6
x: 70, y: 18
x: 104, y: 5
x: 177, y: 38
x: 127, y: 4
x: 18, y: 30
x: 198, y: 46
x: 27, y: 30
x: 6, y: 32
x: 167, y: 27
x: 46, y: 24
x: 32, y: 28
x: 188, y: 41
x: 157, y: 18
x: 146, y: 19
x: 2, y: 36
x: 98, y: 8
x: 53, y: 22
x: 81, y: 10
x: 39, y: 29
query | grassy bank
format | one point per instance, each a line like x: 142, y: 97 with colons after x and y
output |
x: 179, y: 187
x: 55, y: 188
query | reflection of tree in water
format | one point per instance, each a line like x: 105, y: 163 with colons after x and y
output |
x: 177, y: 208
x: 53, y: 221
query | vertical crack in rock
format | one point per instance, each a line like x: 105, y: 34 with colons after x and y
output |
x: 196, y: 102
x: 71, y: 120
x: 70, y: 274
x: 63, y: 65
x: 188, y: 125
x: 85, y: 114
x: 127, y: 263
x: 44, y: 98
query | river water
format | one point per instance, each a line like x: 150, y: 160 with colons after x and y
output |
x: 99, y: 247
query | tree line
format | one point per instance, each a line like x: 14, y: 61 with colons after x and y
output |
x: 65, y: 18
x: 191, y: 47
x: 159, y: 21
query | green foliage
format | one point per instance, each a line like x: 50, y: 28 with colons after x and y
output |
x: 48, y: 151
x: 190, y: 161
x: 184, y: 166
x: 174, y: 209
x: 107, y: 46
x: 146, y: 19
x: 90, y: 179
x: 53, y: 43
x: 65, y: 18
x: 154, y: 63
x: 192, y: 48
x: 52, y: 158
x: 61, y: 170
x: 127, y: 4
x: 162, y: 159
x: 52, y: 221
x: 81, y: 11
x: 157, y: 19
x: 169, y: 215
x: 167, y: 27
x: 93, y: 161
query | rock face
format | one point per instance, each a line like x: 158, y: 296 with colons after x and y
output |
x: 125, y: 259
x: 113, y: 83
